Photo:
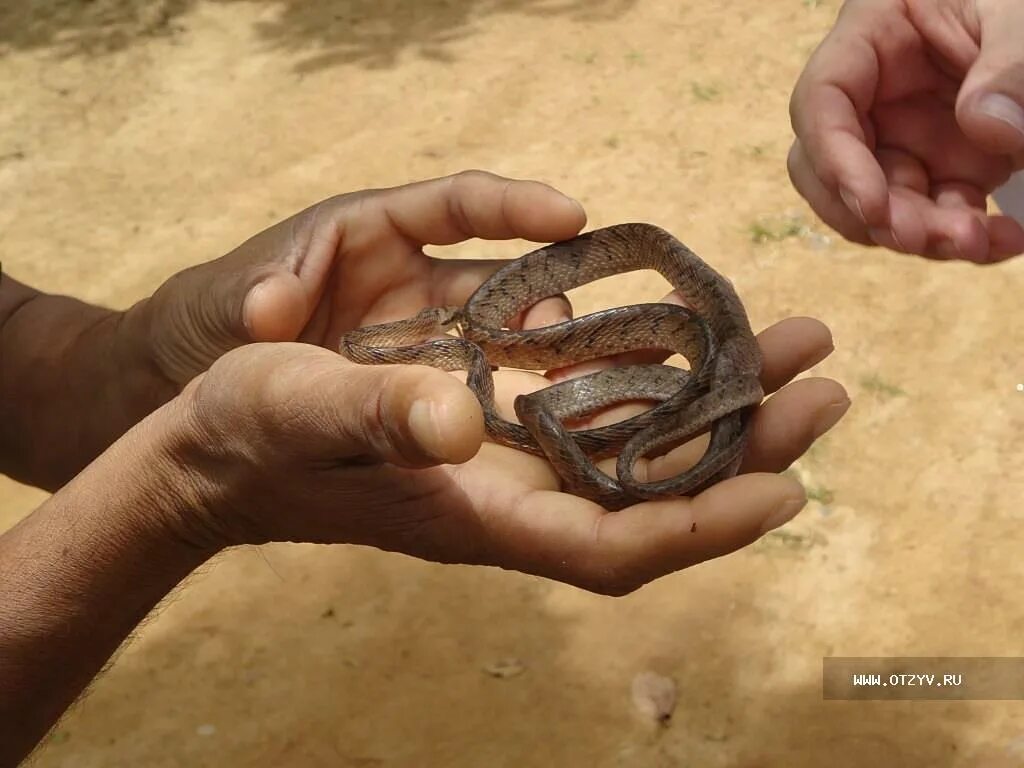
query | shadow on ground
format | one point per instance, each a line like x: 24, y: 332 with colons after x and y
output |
x: 370, y: 33
x: 356, y: 672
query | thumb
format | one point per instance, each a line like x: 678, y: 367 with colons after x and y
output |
x: 408, y: 415
x: 414, y: 416
x: 301, y: 401
x: 275, y: 308
x: 990, y: 105
x: 204, y: 312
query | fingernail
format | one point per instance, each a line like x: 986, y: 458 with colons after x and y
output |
x: 424, y: 427
x: 899, y: 244
x: 247, y: 305
x: 1003, y: 108
x: 579, y: 205
x: 948, y: 249
x: 887, y: 239
x: 829, y: 416
x: 852, y: 203
x: 785, y: 512
x: 881, y: 237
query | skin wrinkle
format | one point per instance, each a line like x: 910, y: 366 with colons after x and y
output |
x: 867, y: 51
x: 456, y: 209
x: 141, y: 312
x: 383, y: 432
x: 503, y: 205
x: 609, y: 578
x: 396, y: 228
x: 18, y: 307
x: 298, y: 253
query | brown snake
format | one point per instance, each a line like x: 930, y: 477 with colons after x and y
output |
x: 717, y: 393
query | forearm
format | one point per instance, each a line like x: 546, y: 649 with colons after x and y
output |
x: 78, y: 575
x: 73, y: 378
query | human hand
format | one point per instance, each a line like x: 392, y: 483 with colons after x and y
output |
x: 906, y: 117
x: 288, y: 442
x: 352, y: 260
x: 77, y: 376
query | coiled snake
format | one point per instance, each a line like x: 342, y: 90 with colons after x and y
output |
x: 712, y: 332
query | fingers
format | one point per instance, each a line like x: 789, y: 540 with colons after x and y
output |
x: 825, y: 202
x: 562, y: 537
x: 888, y: 193
x: 938, y: 180
x: 455, y: 280
x: 945, y: 220
x: 648, y: 541
x: 785, y: 426
x: 952, y: 225
x: 791, y: 347
x: 555, y: 309
x: 788, y: 348
x: 477, y: 204
x: 1006, y: 237
x: 568, y: 539
x: 990, y: 106
x: 827, y: 111
x: 203, y: 312
x: 781, y: 431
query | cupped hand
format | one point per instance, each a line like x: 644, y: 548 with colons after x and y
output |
x: 290, y: 442
x: 349, y: 261
x: 907, y: 116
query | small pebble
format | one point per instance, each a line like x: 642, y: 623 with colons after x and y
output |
x: 505, y: 668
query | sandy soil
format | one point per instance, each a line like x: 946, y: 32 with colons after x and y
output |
x: 137, y: 138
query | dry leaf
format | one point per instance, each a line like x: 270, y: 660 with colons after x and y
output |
x: 654, y: 696
x: 504, y: 668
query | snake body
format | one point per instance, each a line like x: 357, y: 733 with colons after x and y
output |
x: 712, y: 332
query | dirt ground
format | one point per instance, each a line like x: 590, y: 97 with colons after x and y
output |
x: 137, y: 138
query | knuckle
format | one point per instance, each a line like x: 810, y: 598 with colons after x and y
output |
x: 378, y: 426
x: 372, y: 425
x: 471, y: 175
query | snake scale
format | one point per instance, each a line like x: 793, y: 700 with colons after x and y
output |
x: 712, y: 332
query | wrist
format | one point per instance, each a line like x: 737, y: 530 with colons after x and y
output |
x: 74, y: 378
x: 79, y: 574
x: 135, y: 348
x: 179, y: 481
x: 127, y: 513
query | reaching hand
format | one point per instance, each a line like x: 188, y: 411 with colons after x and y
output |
x: 907, y: 116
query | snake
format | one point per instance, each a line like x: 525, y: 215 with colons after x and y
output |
x: 717, y: 394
